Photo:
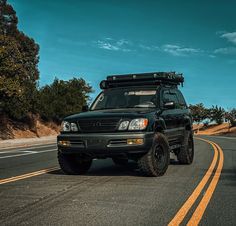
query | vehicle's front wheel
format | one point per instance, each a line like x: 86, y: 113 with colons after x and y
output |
x: 186, y: 152
x: 156, y: 161
x: 72, y: 164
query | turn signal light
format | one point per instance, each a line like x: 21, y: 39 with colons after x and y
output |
x: 64, y: 142
x: 135, y: 141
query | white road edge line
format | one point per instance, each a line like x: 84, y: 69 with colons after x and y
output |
x: 27, y: 145
x: 28, y: 153
x: 22, y: 149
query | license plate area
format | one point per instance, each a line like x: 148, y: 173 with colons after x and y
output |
x: 95, y: 143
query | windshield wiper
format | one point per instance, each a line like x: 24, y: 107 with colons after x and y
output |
x: 142, y: 107
x: 102, y: 109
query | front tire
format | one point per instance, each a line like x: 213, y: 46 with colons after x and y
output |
x: 156, y: 161
x: 186, y: 152
x: 72, y: 164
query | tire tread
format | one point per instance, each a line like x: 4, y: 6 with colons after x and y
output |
x: 146, y: 163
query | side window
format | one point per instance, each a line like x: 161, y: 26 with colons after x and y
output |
x: 182, y: 101
x: 169, y: 96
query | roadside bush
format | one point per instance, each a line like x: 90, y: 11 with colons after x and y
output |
x: 63, y: 98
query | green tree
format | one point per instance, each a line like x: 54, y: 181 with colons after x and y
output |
x: 231, y: 117
x: 217, y: 114
x: 199, y: 112
x: 11, y: 68
x: 8, y: 18
x: 18, y: 66
x: 63, y: 98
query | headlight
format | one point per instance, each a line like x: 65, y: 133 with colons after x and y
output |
x: 138, y: 124
x: 73, y: 127
x: 124, y: 125
x: 65, y: 126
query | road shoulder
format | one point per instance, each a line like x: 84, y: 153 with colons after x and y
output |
x: 26, y: 142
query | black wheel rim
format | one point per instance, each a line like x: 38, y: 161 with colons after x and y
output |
x: 160, y: 156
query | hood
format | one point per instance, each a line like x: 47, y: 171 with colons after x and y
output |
x: 121, y: 113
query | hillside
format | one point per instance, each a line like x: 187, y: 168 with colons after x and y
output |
x: 222, y: 129
x: 10, y: 129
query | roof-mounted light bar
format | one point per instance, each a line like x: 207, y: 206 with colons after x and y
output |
x: 154, y: 78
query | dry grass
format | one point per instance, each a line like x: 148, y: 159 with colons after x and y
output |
x: 10, y: 129
x: 223, y: 129
x: 42, y: 129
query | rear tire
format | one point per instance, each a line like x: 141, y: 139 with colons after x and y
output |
x: 156, y: 161
x: 120, y: 161
x: 186, y: 152
x: 72, y: 164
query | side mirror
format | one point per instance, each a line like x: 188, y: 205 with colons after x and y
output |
x: 169, y: 105
x: 85, y: 108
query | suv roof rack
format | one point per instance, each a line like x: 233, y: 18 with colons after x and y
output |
x: 152, y: 78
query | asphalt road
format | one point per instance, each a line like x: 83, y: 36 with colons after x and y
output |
x: 33, y: 192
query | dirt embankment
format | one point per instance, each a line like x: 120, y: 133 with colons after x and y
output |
x: 223, y: 129
x: 10, y: 129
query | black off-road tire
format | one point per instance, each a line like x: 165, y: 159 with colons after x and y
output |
x: 120, y: 161
x: 156, y: 161
x: 72, y: 164
x: 185, y: 154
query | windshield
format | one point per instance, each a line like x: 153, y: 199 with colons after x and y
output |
x: 125, y: 98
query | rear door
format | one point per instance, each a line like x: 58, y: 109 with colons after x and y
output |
x: 186, y: 116
x: 172, y: 117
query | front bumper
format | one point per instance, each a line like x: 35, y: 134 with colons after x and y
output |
x: 104, y: 143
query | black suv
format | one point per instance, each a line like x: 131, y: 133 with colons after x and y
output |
x: 142, y: 117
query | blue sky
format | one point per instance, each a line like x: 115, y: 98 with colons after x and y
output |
x: 94, y: 38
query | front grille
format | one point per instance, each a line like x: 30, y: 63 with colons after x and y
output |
x: 98, y: 125
x: 77, y: 143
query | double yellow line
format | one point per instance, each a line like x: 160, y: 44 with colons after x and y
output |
x: 178, y: 218
x: 24, y: 176
x: 199, y: 211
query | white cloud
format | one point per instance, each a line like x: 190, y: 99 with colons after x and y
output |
x: 230, y: 36
x: 212, y: 56
x: 114, y: 45
x: 127, y: 46
x: 149, y: 48
x: 122, y: 42
x: 226, y: 51
x: 176, y: 50
x: 107, y: 46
